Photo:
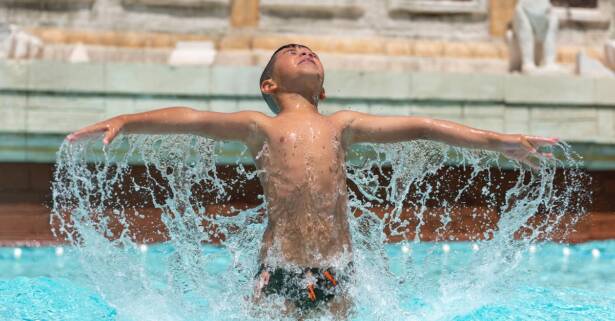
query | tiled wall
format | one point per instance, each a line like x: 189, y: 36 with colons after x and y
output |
x: 44, y: 98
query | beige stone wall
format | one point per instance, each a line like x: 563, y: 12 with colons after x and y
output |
x: 445, y: 20
x: 388, y: 35
x: 337, y: 52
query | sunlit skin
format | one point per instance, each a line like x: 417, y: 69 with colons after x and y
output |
x: 302, y: 152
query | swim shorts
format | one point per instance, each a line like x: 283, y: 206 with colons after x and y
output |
x: 306, y: 288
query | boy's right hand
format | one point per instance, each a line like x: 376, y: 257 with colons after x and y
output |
x: 110, y: 127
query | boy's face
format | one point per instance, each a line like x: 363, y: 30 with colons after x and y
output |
x: 298, y: 68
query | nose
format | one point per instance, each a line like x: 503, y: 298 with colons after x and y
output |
x: 307, y: 53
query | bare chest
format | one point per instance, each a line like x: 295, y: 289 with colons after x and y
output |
x: 313, y: 141
x: 302, y: 158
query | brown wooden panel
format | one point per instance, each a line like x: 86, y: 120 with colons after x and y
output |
x: 25, y: 202
x: 13, y: 177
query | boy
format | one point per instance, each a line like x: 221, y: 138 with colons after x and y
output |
x: 306, y: 253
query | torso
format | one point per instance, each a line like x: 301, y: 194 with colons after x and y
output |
x: 303, y: 176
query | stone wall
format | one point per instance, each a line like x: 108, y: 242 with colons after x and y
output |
x: 336, y: 51
x: 391, y: 35
x: 434, y: 19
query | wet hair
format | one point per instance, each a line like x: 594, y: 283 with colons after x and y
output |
x: 268, y: 71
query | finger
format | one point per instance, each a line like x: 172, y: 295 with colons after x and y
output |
x: 542, y: 141
x: 528, y: 146
x: 109, y: 136
x: 547, y: 155
x: 86, y: 132
x: 266, y: 278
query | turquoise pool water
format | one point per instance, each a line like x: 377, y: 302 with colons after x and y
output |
x: 106, y: 275
x: 551, y: 282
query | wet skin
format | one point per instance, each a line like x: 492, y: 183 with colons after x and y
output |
x: 304, y: 181
x: 302, y: 157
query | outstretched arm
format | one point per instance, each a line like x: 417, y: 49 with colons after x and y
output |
x: 361, y: 127
x: 176, y: 120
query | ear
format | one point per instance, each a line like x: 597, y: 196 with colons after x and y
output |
x: 269, y: 86
x: 322, y: 95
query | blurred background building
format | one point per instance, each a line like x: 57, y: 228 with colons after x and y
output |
x: 400, y: 35
x: 68, y: 63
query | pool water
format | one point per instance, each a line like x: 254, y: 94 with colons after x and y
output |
x: 108, y: 275
x: 551, y: 282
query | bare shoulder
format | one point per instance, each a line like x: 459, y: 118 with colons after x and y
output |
x: 254, y: 115
x: 258, y: 124
x: 344, y: 117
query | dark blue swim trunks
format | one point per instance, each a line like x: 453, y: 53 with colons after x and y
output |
x: 306, y: 288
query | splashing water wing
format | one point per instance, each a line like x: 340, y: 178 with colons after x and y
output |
x: 395, y: 193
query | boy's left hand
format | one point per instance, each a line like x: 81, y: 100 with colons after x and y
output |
x: 110, y: 127
x: 521, y: 148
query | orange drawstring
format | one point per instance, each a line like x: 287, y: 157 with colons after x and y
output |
x: 311, y: 292
x: 310, y: 287
x: 330, y: 278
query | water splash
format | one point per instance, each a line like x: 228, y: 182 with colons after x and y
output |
x: 422, y: 185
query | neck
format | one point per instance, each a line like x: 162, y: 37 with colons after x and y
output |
x: 294, y: 102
